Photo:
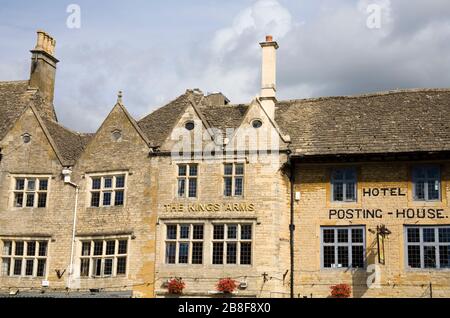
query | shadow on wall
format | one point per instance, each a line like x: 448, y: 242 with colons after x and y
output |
x: 360, y: 277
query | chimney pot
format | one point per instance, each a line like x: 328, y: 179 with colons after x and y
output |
x: 269, y: 67
x: 43, y: 68
x: 40, y: 40
x: 45, y: 43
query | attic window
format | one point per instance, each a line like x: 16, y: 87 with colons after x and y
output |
x: 257, y: 123
x: 117, y: 135
x: 26, y: 138
x: 190, y: 125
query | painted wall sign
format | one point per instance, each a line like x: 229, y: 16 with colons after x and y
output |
x: 384, y: 192
x: 210, y: 207
x: 421, y: 213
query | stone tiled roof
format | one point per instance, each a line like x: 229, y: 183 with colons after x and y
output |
x: 70, y: 144
x: 15, y: 97
x: 388, y: 122
x: 158, y: 125
x: 414, y: 120
x: 223, y: 117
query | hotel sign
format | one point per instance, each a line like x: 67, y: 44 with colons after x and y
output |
x: 377, y: 213
x: 210, y: 207
x: 349, y: 214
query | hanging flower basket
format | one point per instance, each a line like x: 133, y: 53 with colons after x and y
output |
x: 226, y: 285
x: 341, y: 291
x: 176, y: 286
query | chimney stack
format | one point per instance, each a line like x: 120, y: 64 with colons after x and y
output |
x: 269, y: 78
x: 43, y: 67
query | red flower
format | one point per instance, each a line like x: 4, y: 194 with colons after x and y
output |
x: 226, y: 285
x: 176, y: 286
x: 341, y: 291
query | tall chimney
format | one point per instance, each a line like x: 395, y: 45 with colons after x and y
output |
x: 269, y: 75
x: 43, y: 66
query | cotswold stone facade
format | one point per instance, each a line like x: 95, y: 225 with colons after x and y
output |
x: 287, y: 198
x: 394, y: 207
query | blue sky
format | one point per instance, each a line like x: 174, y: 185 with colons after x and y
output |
x: 155, y: 50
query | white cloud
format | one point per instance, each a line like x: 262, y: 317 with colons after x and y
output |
x: 329, y: 51
x: 263, y: 17
x: 333, y: 54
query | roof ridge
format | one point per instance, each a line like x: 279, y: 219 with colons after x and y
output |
x: 13, y: 82
x: 65, y: 128
x: 365, y: 95
x: 224, y: 106
x: 165, y: 105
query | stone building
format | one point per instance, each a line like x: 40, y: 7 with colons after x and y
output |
x: 287, y: 198
x: 372, y: 187
x: 68, y: 217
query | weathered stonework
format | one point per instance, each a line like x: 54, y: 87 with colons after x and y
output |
x: 312, y: 212
x: 264, y: 205
x: 271, y: 139
x: 105, y: 156
x: 37, y: 158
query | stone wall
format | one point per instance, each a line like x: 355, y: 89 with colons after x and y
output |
x: 135, y: 219
x: 313, y: 211
x: 266, y: 189
x: 53, y: 223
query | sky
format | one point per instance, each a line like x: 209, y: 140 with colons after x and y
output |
x: 154, y: 50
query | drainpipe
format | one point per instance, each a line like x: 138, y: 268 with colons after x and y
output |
x: 292, y: 225
x: 67, y: 180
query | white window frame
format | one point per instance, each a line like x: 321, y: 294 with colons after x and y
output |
x: 426, y: 181
x: 24, y: 258
x: 422, y: 244
x: 103, y: 257
x: 233, y: 177
x: 345, y: 182
x: 238, y: 241
x: 336, y: 245
x: 187, y: 178
x: 178, y: 240
x: 113, y: 190
x: 36, y: 191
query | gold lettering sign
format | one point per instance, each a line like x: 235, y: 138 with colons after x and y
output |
x: 210, y: 207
